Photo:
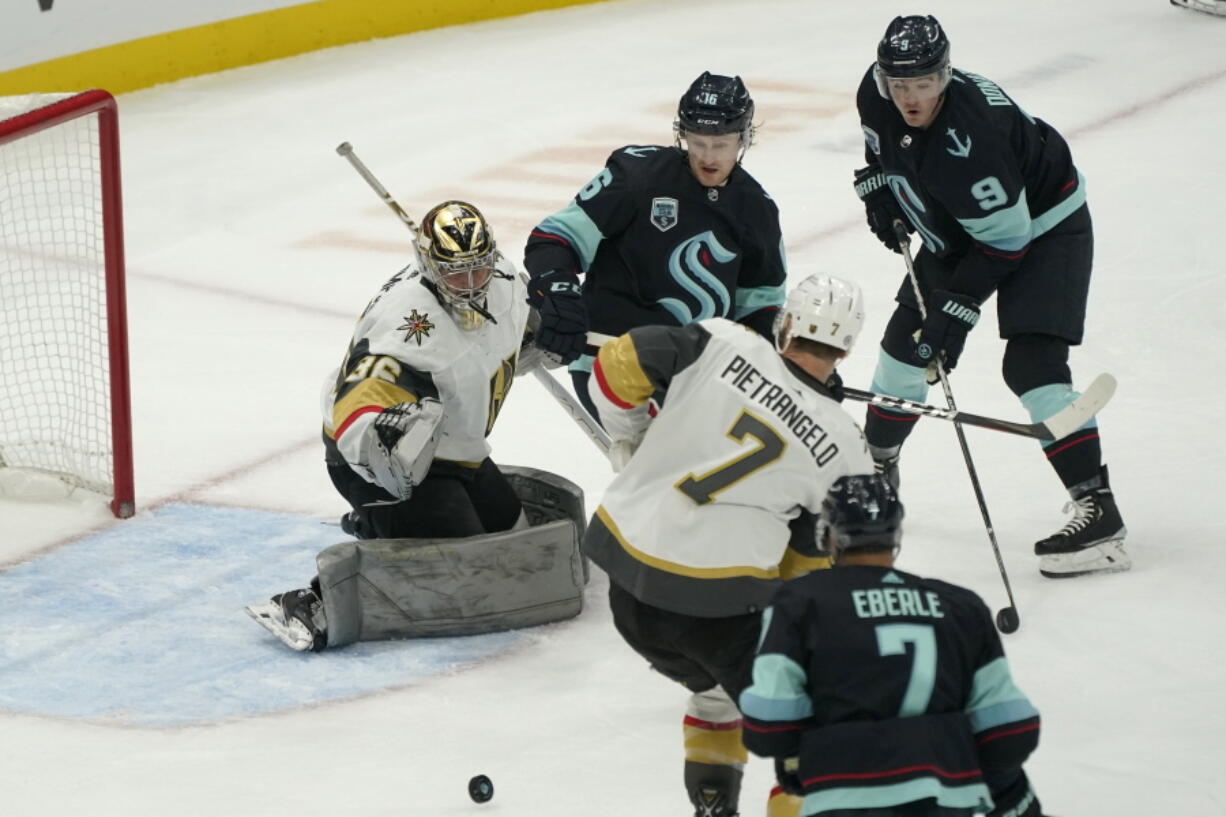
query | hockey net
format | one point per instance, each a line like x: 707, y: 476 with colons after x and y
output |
x: 64, y: 398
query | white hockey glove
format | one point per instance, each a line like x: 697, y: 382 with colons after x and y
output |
x: 401, y: 443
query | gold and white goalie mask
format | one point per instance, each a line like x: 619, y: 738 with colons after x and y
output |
x: 459, y: 255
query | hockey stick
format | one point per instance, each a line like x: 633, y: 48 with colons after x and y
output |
x: 1007, y: 618
x: 1059, y: 425
x: 573, y: 407
x: 1063, y: 423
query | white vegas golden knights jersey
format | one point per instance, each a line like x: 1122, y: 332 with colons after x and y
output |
x: 407, y: 346
x: 698, y: 520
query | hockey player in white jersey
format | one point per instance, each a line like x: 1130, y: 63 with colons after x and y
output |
x: 727, y: 447
x: 405, y: 417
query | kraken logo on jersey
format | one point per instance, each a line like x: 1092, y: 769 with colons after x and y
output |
x: 664, y: 213
x: 688, y: 267
x: 417, y: 326
x: 915, y: 209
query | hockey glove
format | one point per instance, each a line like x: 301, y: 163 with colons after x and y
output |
x: 787, y: 773
x: 950, y: 316
x: 880, y: 205
x: 563, y: 317
x: 402, y: 445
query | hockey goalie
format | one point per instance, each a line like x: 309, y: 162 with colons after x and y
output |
x: 445, y: 541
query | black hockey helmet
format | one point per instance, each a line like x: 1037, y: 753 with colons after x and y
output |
x: 913, y: 46
x: 715, y: 104
x: 861, y: 511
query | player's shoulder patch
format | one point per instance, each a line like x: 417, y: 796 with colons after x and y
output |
x: 665, y: 212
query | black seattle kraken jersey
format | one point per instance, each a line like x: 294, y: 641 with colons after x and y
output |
x: 658, y: 247
x: 879, y: 676
x: 985, y: 175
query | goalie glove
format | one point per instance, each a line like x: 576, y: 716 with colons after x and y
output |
x: 400, y: 445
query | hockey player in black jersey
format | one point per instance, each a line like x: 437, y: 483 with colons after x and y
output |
x: 662, y: 235
x: 1001, y: 209
x: 881, y: 693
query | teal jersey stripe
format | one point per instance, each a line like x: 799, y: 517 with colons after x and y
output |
x: 583, y: 363
x: 1008, y: 230
x: 751, y: 299
x: 1046, y: 401
x: 995, y: 699
x: 1057, y: 214
x: 972, y: 796
x: 898, y: 379
x: 778, y: 690
x: 1013, y: 228
x: 1009, y: 712
x: 577, y: 227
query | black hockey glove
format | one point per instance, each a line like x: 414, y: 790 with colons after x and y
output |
x: 880, y: 205
x: 556, y: 295
x: 950, y: 316
x: 787, y: 773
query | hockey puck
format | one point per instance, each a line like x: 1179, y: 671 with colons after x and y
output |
x: 1006, y: 620
x: 481, y: 789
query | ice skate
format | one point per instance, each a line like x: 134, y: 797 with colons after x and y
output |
x: 296, y: 617
x: 1092, y: 541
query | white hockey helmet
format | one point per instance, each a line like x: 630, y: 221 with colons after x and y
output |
x: 824, y: 309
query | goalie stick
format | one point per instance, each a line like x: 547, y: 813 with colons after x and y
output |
x: 558, y: 392
x: 1059, y: 425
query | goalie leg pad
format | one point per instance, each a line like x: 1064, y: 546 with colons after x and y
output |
x: 411, y: 588
x: 406, y: 588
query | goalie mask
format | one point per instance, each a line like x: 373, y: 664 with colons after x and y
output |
x: 824, y: 309
x: 459, y: 255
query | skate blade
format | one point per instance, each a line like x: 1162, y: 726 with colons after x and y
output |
x: 1104, y: 557
x: 293, y: 634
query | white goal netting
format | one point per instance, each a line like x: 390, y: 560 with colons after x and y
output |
x: 55, y: 377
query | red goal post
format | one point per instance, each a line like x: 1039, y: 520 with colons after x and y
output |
x: 65, y: 406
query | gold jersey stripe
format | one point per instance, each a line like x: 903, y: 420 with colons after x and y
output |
x: 621, y: 375
x: 795, y: 564
x: 370, y: 392
x: 734, y: 572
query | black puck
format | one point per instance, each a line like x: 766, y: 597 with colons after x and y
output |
x: 481, y: 789
x: 1006, y: 620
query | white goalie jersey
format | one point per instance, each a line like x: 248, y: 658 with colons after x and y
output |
x: 407, y: 347
x: 744, y: 443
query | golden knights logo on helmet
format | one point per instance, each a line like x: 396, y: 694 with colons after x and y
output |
x: 459, y: 255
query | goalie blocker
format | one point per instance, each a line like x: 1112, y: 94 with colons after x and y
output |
x: 378, y: 589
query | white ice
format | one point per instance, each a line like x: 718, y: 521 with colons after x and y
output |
x: 252, y: 247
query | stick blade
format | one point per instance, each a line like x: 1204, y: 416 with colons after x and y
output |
x: 1083, y: 409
